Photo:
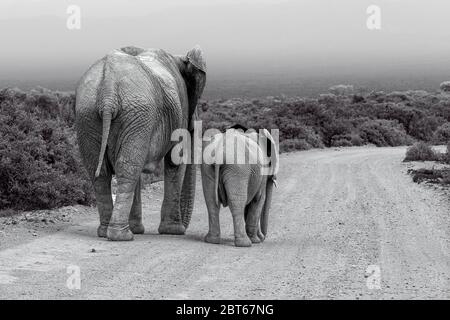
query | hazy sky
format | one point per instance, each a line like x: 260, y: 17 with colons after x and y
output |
x: 247, y: 37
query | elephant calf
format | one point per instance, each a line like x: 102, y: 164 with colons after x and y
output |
x: 241, y: 185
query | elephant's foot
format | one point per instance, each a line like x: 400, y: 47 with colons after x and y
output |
x: 255, y: 239
x: 255, y: 235
x: 171, y: 228
x: 212, y: 239
x: 137, y: 228
x: 119, y: 234
x: 101, y: 231
x: 261, y: 236
x: 242, y: 242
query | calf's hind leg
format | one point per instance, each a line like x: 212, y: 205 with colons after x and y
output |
x: 252, y: 225
x: 240, y: 236
x: 213, y: 208
x: 237, y: 208
x: 237, y: 199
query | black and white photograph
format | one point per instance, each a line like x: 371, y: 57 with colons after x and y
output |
x: 241, y: 151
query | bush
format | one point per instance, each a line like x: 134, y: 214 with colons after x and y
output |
x: 342, y: 89
x: 442, y: 134
x: 346, y: 140
x: 445, y: 86
x: 397, y: 96
x: 341, y: 119
x: 445, y: 177
x: 424, y: 127
x: 39, y: 163
x: 446, y: 156
x: 384, y: 133
x: 439, y: 176
x: 421, y: 151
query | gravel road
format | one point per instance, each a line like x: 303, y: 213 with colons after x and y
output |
x: 345, y: 224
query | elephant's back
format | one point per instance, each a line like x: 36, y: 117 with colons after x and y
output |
x: 234, y: 147
x: 160, y: 65
x: 149, y: 75
x: 133, y: 73
x: 87, y: 87
x: 133, y: 88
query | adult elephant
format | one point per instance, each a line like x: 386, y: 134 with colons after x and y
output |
x: 127, y: 106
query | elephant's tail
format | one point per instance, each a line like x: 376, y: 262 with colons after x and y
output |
x: 107, y: 116
x: 216, y: 183
x: 107, y: 106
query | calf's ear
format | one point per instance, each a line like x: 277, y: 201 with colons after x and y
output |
x: 271, y: 151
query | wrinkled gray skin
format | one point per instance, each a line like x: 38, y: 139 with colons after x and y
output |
x: 242, y: 187
x: 127, y: 105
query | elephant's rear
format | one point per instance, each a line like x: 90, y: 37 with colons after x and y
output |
x: 96, y: 106
x: 87, y: 122
x: 114, y: 89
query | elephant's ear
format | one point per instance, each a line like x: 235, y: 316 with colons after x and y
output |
x: 194, y: 74
x: 271, y: 151
x: 195, y: 56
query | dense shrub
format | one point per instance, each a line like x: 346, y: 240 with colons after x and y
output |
x: 446, y: 156
x: 39, y: 163
x: 342, y: 89
x: 384, y: 133
x: 445, y: 86
x: 421, y: 151
x: 445, y: 177
x: 433, y: 175
x: 340, y: 118
x: 442, y: 134
x: 424, y: 128
x: 347, y: 140
x: 439, y: 176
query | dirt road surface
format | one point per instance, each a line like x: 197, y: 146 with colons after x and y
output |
x: 345, y: 223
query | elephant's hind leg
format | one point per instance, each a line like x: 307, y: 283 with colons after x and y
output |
x: 135, y: 220
x: 236, y: 179
x: 240, y: 236
x: 213, y: 235
x: 102, y: 188
x: 89, y: 140
x: 213, y: 208
x: 237, y: 199
x: 254, y: 209
x: 89, y: 145
x: 128, y: 168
